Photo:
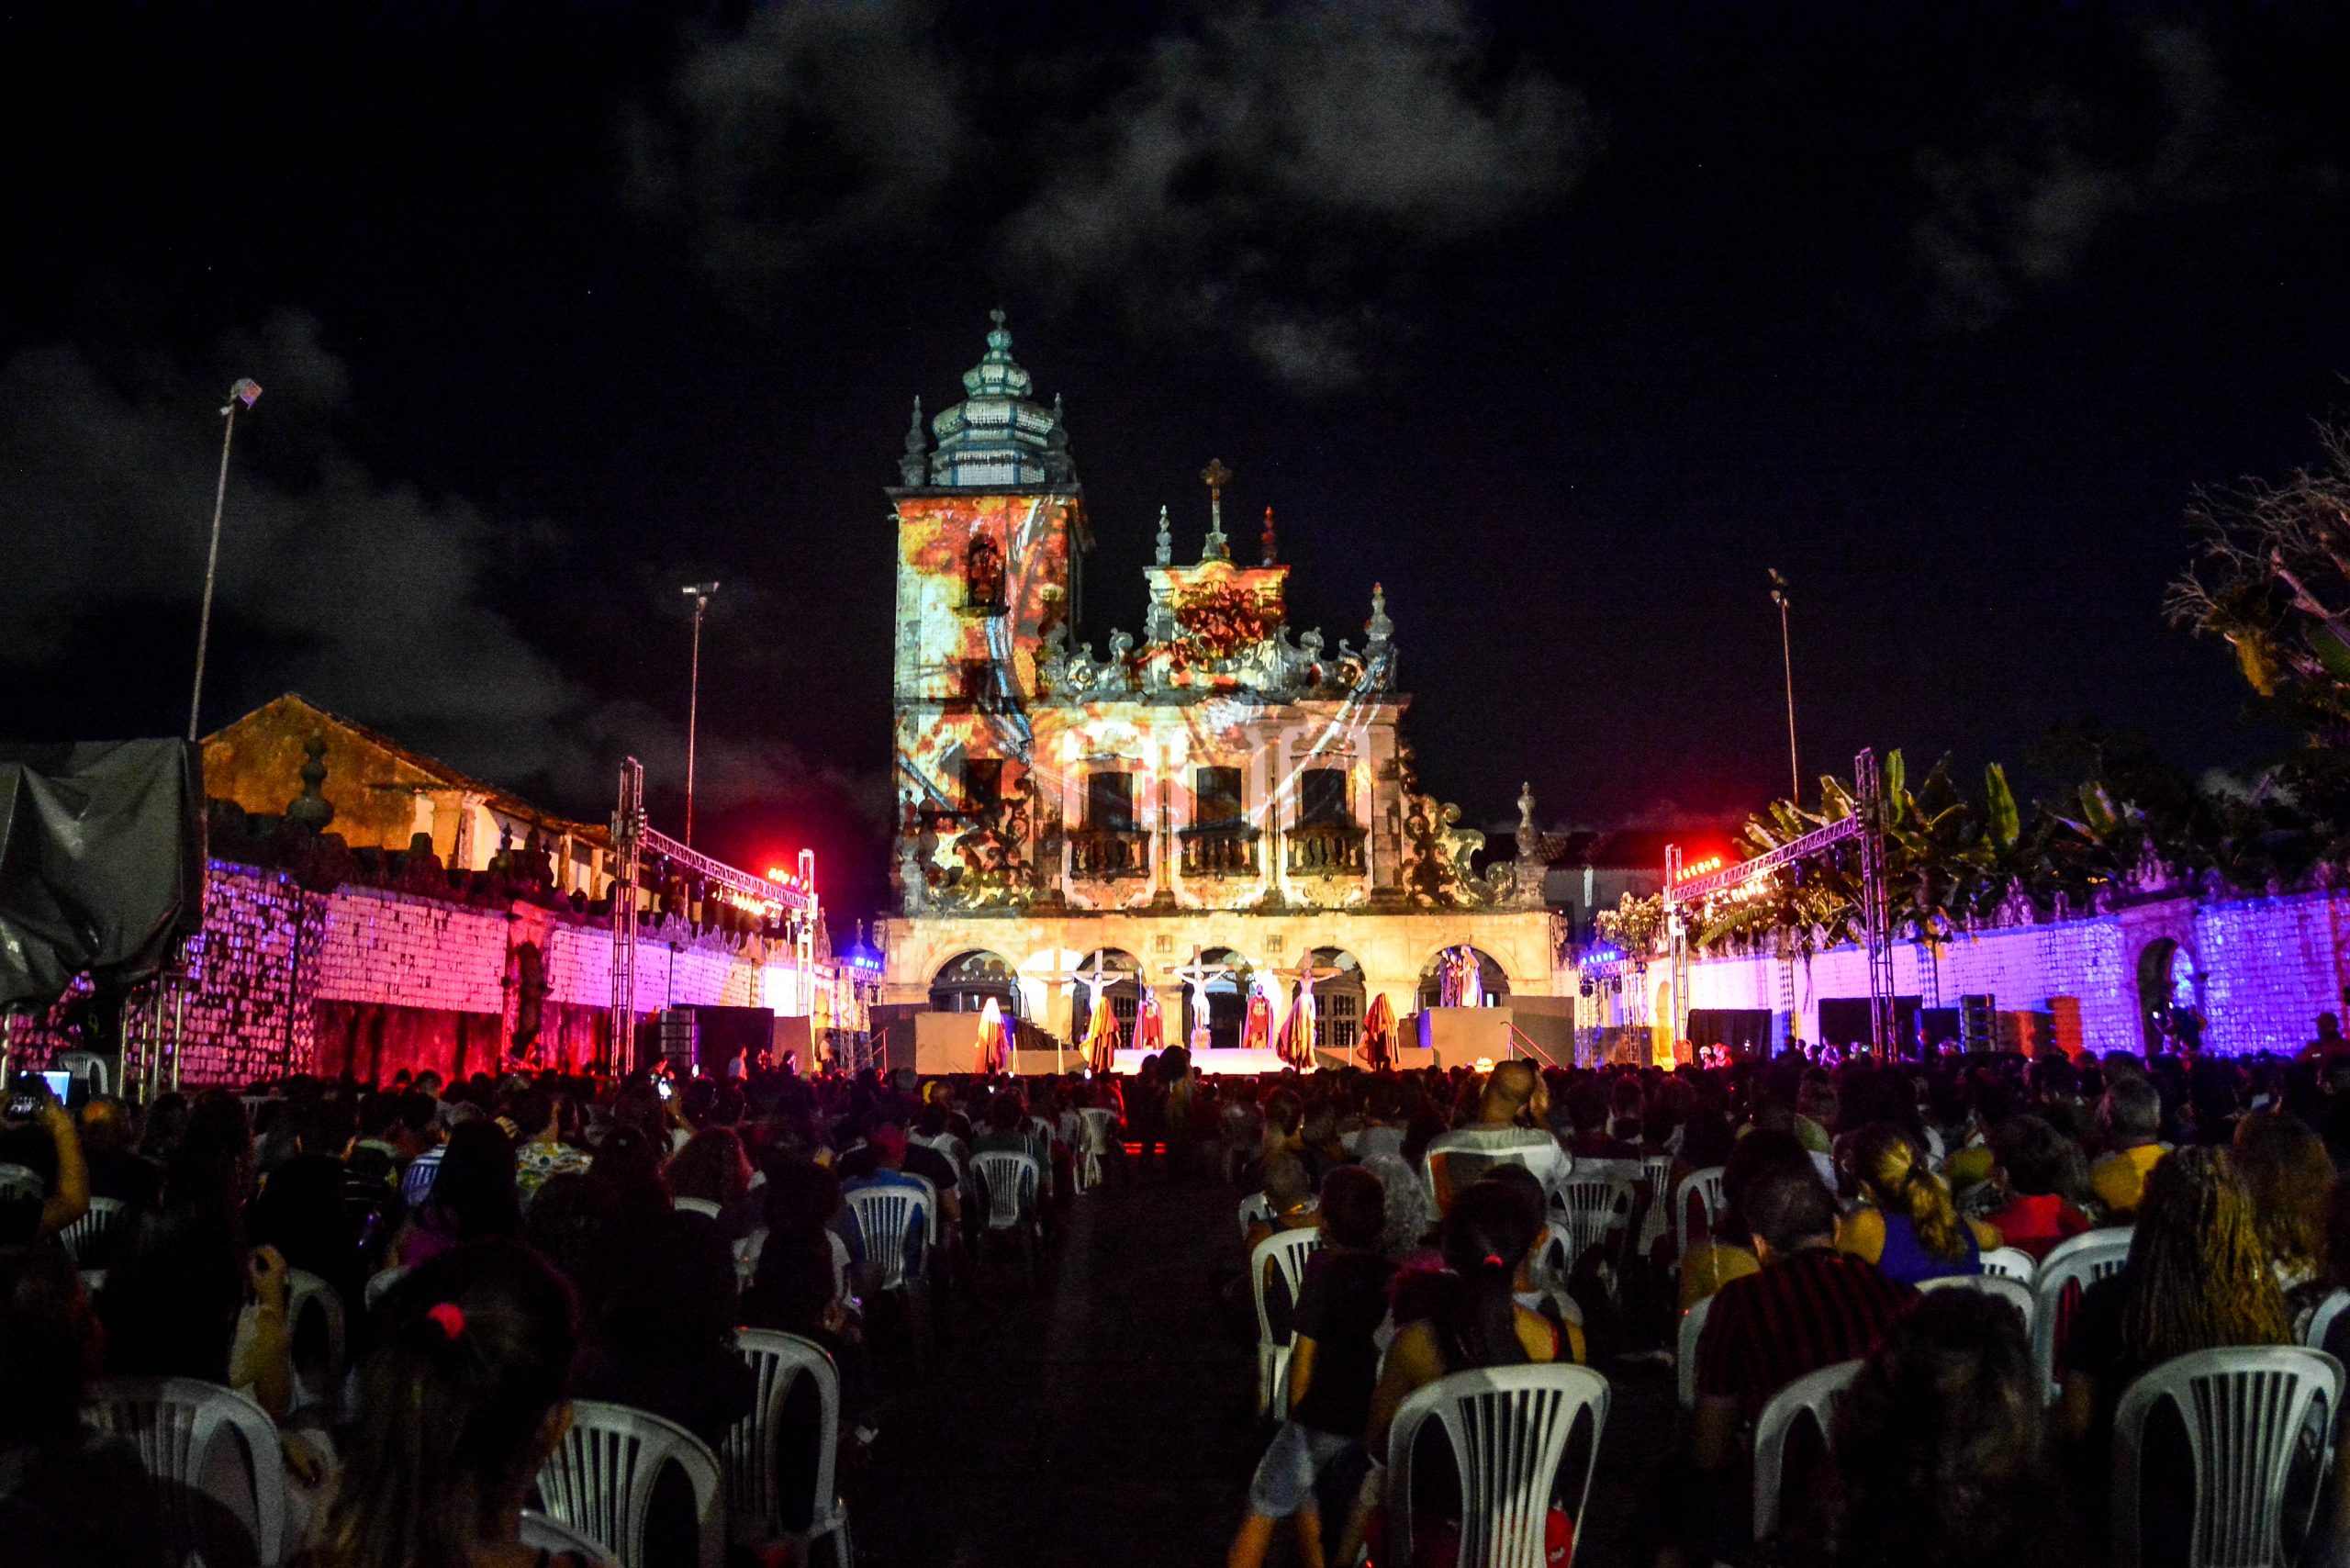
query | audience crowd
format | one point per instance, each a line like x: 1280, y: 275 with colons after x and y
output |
x: 500, y: 1248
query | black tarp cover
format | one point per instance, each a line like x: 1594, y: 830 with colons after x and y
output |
x: 101, y: 863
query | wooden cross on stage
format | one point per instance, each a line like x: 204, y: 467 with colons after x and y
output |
x: 1197, y: 975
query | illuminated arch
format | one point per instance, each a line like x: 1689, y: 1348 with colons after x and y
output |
x: 1124, y: 995
x: 965, y: 983
x: 1490, y: 974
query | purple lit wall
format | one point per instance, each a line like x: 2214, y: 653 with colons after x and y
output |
x: 2259, y: 969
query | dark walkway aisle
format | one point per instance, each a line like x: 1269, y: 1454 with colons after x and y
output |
x: 1102, y: 1420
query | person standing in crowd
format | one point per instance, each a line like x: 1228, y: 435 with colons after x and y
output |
x: 1333, y: 1367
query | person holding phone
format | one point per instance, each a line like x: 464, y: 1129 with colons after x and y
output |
x: 38, y: 1139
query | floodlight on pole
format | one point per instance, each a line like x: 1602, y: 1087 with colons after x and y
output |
x: 1788, y: 663
x: 701, y: 594
x: 242, y: 396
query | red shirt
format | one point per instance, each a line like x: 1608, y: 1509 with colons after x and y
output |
x: 1798, y: 1316
x: 2035, y: 1224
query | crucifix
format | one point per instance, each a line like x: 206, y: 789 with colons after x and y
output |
x: 1305, y: 973
x: 1197, y: 975
x: 1096, y: 981
x: 1216, y: 477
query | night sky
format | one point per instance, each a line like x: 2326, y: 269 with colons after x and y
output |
x: 1565, y: 322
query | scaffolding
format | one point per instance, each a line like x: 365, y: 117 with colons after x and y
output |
x: 1686, y: 894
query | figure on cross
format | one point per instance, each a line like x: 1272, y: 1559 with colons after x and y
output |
x: 1297, y: 1032
x: 1197, y: 975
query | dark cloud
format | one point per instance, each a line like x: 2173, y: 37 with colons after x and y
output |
x: 2057, y: 171
x: 1234, y: 171
x: 370, y: 598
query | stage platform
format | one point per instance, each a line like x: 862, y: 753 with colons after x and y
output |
x: 1242, y: 1063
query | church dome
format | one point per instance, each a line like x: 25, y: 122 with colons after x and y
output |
x: 998, y: 437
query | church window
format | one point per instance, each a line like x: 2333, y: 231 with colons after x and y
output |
x: 1215, y: 797
x: 983, y: 574
x: 982, y: 784
x: 1110, y: 801
x: 1321, y: 796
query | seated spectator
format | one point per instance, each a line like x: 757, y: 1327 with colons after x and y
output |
x: 1510, y: 1119
x: 2041, y: 1167
x: 2132, y: 1117
x: 2198, y: 1277
x: 665, y: 1339
x: 1906, y: 1225
x: 115, y: 1171
x: 53, y: 1190
x: 914, y: 1159
x: 1332, y: 1366
x: 1726, y: 1251
x: 1290, y: 1194
x: 572, y: 1223
x: 473, y: 1198
x: 1461, y: 1318
x: 195, y: 1299
x: 1938, y: 1452
x: 1410, y: 1214
x: 2285, y: 1168
x: 888, y: 1146
x: 536, y: 1119
x: 462, y: 1399
x: 1597, y: 1150
x: 712, y: 1170
x: 1809, y: 1306
x: 68, y: 1495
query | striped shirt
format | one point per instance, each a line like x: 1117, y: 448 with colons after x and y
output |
x: 1802, y: 1312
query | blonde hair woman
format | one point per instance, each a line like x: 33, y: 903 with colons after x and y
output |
x: 1908, y: 1228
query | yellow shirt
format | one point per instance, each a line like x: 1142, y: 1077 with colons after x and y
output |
x: 2120, y: 1179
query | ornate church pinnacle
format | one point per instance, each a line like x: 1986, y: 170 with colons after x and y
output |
x: 1216, y: 477
x: 1166, y: 555
x: 1381, y: 630
x: 1529, y: 837
x: 1267, y: 540
x: 914, y: 465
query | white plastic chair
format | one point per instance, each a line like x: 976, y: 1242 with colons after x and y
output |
x: 1509, y: 1427
x: 2321, y: 1320
x: 415, y: 1182
x: 1014, y: 1183
x: 1256, y: 1206
x: 2070, y: 1265
x: 378, y: 1282
x: 174, y: 1423
x: 929, y: 1207
x: 2244, y: 1410
x: 306, y: 1292
x: 702, y: 1207
x: 755, y: 1499
x: 1554, y: 1259
x: 2013, y: 1292
x: 599, y: 1479
x: 541, y: 1533
x: 1098, y: 1120
x: 1685, y: 1365
x: 90, y: 1241
x: 1656, y: 1173
x: 886, y: 1217
x: 1816, y: 1393
x: 1706, y: 1185
x: 746, y: 1257
x: 1552, y: 1163
x: 1285, y: 1251
x: 2011, y: 1263
x: 1590, y: 1211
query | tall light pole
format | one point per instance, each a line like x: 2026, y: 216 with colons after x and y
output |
x: 1787, y: 661
x: 700, y: 593
x: 240, y: 395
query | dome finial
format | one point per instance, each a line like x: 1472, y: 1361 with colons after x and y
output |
x: 1266, y: 539
x: 1166, y: 540
x: 1216, y: 477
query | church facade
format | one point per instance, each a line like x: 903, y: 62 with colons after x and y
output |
x: 1219, y: 794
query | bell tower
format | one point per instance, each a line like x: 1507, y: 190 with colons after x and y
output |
x: 991, y: 531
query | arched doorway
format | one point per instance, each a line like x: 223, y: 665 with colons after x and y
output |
x: 1491, y: 979
x: 1124, y: 994
x: 2168, y: 1002
x: 1228, y: 998
x: 965, y: 983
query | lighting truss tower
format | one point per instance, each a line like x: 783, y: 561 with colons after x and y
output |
x: 628, y: 831
x: 1685, y: 897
